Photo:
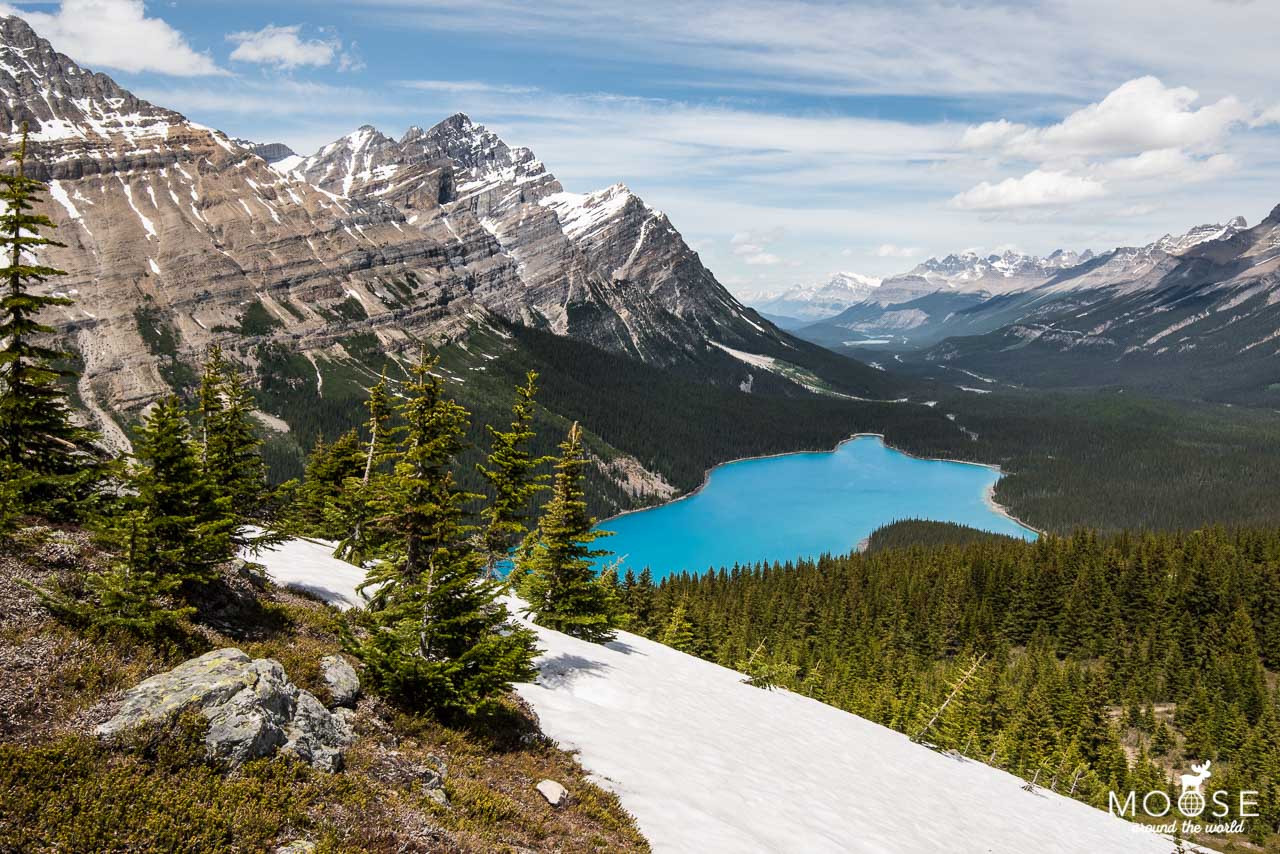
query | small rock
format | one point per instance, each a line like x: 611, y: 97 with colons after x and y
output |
x: 553, y: 792
x: 438, y: 796
x: 252, y: 708
x: 297, y: 846
x: 341, y: 679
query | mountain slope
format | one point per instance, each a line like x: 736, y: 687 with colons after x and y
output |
x: 177, y: 238
x: 708, y: 764
x: 315, y: 272
x: 1202, y: 323
x: 603, y: 267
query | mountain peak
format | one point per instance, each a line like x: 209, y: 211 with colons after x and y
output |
x: 457, y: 123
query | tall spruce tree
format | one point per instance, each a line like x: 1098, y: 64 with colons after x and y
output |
x: 168, y: 533
x: 43, y: 454
x: 558, y: 572
x: 359, y: 543
x: 319, y: 506
x: 186, y: 522
x: 230, y: 450
x: 511, y: 472
x: 437, y: 636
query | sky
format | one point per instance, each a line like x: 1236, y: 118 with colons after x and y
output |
x: 786, y: 140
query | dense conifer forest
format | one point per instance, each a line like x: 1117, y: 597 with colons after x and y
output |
x: 1104, y: 662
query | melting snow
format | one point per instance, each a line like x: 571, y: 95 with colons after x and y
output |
x: 581, y: 214
x: 707, y: 764
x: 146, y: 222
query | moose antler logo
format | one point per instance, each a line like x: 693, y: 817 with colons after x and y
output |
x: 1193, y: 782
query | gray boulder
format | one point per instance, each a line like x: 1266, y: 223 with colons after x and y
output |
x: 553, y: 792
x: 341, y: 680
x: 252, y: 708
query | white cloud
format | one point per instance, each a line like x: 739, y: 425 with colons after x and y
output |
x: 284, y: 48
x: 889, y: 250
x: 1168, y: 163
x: 750, y: 246
x: 1058, y: 48
x: 117, y: 34
x: 1140, y: 115
x: 1035, y: 189
x: 455, y: 87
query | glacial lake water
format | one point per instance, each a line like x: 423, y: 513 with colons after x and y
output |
x: 802, y: 505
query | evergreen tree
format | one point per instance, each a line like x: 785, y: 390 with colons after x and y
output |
x: 559, y: 580
x: 436, y: 634
x: 678, y: 632
x: 359, y: 543
x: 45, y: 459
x: 181, y: 528
x: 511, y: 472
x: 230, y: 450
x: 320, y: 507
x: 135, y: 593
x: 168, y: 533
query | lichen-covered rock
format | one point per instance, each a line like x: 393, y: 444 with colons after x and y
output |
x: 252, y: 708
x: 341, y: 680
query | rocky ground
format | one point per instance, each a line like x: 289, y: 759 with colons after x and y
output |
x: 76, y: 775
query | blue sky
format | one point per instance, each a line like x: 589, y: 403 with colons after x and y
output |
x: 786, y: 140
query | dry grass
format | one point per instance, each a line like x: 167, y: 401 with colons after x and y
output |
x: 60, y: 789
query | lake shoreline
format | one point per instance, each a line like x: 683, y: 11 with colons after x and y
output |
x: 988, y: 495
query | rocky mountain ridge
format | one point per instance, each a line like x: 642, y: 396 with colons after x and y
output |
x: 178, y: 237
x: 966, y: 293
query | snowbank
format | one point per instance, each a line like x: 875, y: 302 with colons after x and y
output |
x: 309, y: 566
x: 708, y: 764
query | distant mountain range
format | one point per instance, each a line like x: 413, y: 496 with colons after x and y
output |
x: 1191, y: 314
x: 965, y: 272
x: 807, y: 303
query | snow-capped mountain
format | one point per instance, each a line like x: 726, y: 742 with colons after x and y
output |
x: 1203, y: 322
x: 824, y: 299
x: 601, y: 266
x: 178, y: 237
x: 971, y: 272
x: 971, y: 294
x: 685, y: 745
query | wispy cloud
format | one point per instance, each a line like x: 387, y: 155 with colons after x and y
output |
x: 466, y: 87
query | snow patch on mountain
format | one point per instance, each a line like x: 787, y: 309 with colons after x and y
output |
x: 581, y: 214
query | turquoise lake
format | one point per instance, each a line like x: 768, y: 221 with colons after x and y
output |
x: 802, y: 505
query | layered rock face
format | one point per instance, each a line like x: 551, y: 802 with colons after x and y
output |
x: 178, y: 237
x: 603, y: 266
x: 175, y: 235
